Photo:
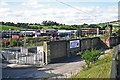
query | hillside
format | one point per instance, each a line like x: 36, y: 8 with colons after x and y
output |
x: 5, y: 28
x: 115, y: 24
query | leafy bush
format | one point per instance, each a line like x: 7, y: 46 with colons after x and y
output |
x: 13, y: 42
x: 100, y: 69
x: 91, y: 56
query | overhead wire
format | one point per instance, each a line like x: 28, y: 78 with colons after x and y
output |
x: 76, y: 8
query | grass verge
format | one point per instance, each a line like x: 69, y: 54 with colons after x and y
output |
x: 100, y: 69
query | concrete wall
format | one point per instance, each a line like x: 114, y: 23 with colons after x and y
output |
x: 95, y: 42
x: 89, y: 43
x: 85, y: 44
x: 72, y: 51
x: 60, y: 50
x: 57, y: 50
x: 114, y: 41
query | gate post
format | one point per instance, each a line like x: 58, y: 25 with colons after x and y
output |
x: 45, y: 50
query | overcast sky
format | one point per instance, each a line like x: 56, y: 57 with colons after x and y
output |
x: 61, y: 11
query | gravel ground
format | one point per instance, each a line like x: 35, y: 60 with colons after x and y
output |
x: 64, y: 69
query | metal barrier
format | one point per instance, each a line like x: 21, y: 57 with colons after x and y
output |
x: 24, y: 58
x: 114, y: 70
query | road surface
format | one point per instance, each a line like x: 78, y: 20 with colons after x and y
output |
x: 64, y: 69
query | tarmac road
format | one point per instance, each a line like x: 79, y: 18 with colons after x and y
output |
x: 64, y: 69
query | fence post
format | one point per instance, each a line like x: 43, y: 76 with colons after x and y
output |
x: 35, y: 59
x: 45, y: 50
x: 16, y: 58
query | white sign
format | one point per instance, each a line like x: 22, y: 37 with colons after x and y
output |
x: 74, y: 44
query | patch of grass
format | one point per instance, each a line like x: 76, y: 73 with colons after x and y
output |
x: 102, y: 37
x: 6, y: 28
x: 100, y: 69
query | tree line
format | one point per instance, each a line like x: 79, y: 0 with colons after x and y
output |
x: 51, y: 24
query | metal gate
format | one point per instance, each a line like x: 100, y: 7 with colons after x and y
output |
x: 25, y: 57
x: 29, y: 58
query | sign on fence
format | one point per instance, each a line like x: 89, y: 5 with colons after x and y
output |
x: 74, y: 44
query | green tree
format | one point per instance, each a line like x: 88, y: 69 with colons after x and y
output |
x: 78, y: 32
x: 50, y: 23
x: 93, y: 26
x: 91, y: 56
x: 2, y: 23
